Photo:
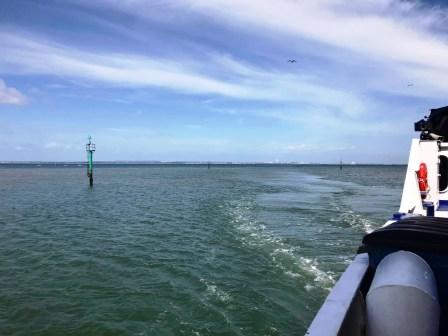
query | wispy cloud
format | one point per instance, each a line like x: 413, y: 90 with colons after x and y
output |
x: 401, y: 36
x: 386, y: 30
x: 37, y: 56
x: 301, y: 147
x: 57, y: 145
x: 10, y: 95
x: 324, y: 124
x: 398, y: 41
x: 235, y: 79
x: 222, y: 65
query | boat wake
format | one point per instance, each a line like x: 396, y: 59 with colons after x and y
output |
x: 286, y: 257
x: 213, y: 291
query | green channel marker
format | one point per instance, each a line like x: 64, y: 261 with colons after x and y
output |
x: 90, y: 148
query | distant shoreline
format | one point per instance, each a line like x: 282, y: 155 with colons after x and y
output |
x: 185, y: 163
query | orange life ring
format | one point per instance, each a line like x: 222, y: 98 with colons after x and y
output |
x: 422, y: 175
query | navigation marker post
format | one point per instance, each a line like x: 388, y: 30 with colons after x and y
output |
x: 90, y: 148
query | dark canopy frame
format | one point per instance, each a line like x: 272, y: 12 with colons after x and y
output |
x: 435, y: 126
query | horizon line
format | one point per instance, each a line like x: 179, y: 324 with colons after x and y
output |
x: 157, y: 162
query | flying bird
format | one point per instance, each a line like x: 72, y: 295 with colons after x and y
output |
x: 292, y: 61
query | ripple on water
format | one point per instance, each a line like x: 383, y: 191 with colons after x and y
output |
x: 178, y: 250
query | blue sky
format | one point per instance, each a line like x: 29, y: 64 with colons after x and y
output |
x: 209, y: 80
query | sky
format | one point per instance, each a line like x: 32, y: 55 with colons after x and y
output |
x: 209, y: 80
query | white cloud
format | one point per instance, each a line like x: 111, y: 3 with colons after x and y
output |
x: 9, y: 95
x: 400, y: 36
x: 37, y: 56
x: 394, y: 42
x: 391, y: 30
x: 301, y: 147
x: 57, y: 145
x: 316, y: 121
x: 52, y: 145
x: 400, y: 41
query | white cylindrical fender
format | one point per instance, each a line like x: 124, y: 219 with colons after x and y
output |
x: 402, y: 299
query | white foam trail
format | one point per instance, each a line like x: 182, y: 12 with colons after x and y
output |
x: 309, y: 287
x: 326, y: 279
x: 213, y: 291
x: 353, y: 219
x: 356, y: 220
x: 284, y: 256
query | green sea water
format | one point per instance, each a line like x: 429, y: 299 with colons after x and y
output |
x: 181, y: 250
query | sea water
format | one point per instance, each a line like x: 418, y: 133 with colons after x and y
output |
x: 178, y: 249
